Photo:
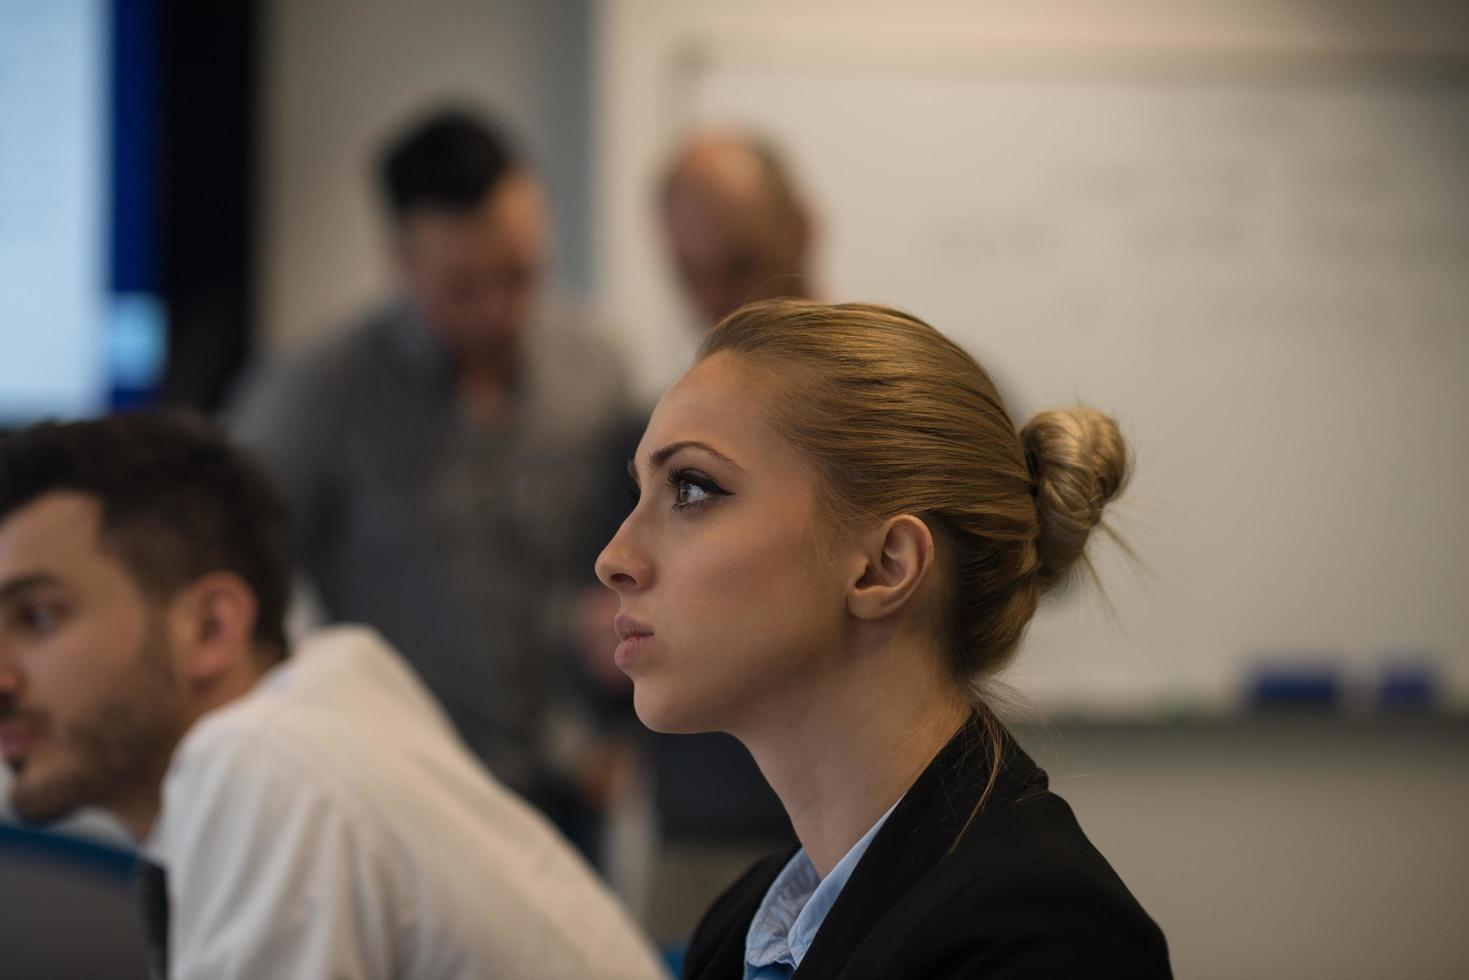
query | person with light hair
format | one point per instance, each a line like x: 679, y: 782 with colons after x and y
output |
x: 840, y: 538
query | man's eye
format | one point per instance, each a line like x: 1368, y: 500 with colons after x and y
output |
x: 37, y: 618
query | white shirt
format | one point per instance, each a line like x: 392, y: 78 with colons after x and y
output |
x: 330, y: 825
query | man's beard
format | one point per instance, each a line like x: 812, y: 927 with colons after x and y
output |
x: 122, y: 745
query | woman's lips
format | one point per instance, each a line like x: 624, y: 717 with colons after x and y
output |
x: 628, y: 649
x: 632, y: 636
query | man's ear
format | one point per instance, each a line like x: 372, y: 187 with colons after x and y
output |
x: 899, y: 554
x: 212, y: 622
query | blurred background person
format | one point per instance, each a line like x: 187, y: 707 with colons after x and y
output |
x: 735, y: 226
x: 440, y: 453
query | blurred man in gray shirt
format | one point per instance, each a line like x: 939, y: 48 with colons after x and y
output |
x: 441, y: 454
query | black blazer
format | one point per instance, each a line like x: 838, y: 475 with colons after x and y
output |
x: 1023, y: 895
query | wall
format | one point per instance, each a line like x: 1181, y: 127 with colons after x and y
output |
x: 1300, y: 848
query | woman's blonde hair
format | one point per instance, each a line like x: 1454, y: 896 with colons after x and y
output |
x: 899, y: 419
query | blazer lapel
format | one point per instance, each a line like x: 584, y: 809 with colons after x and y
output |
x: 916, y: 837
x: 730, y: 920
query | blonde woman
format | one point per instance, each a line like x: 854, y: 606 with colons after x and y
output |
x: 839, y: 537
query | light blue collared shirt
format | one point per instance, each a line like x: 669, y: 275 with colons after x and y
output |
x: 794, y: 908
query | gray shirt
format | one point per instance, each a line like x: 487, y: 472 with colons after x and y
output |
x: 457, y: 538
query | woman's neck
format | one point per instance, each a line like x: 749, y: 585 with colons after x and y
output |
x: 841, y: 750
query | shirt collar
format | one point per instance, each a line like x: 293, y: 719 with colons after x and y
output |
x: 796, y: 904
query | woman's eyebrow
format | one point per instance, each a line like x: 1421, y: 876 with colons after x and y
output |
x: 659, y: 457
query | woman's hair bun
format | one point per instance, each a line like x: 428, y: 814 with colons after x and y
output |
x: 1078, y: 462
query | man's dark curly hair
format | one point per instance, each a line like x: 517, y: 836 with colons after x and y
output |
x: 178, y: 502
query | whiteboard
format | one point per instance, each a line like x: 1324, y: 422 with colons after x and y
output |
x: 1264, y: 278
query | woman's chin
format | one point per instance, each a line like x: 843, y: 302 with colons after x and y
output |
x: 666, y: 715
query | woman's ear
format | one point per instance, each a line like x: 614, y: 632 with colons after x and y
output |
x: 213, y: 627
x: 899, y: 554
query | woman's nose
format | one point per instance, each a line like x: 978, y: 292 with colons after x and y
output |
x: 620, y: 566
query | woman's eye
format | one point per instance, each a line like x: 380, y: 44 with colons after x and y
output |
x: 689, y: 493
x: 692, y: 490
